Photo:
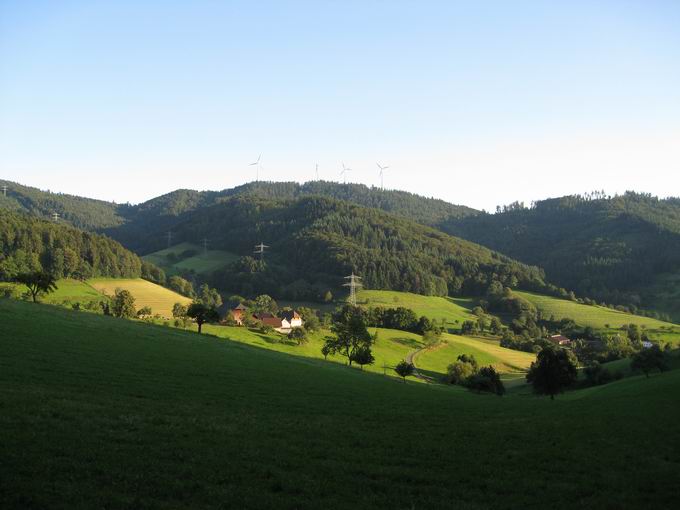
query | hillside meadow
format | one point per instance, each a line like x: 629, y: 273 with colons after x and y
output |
x: 160, y: 299
x: 108, y: 413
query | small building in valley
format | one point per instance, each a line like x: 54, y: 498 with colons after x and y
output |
x: 292, y: 318
x: 271, y: 320
x: 560, y: 340
x: 239, y: 314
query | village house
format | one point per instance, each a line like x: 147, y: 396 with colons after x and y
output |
x: 560, y: 340
x: 270, y: 320
x: 292, y: 318
x: 239, y: 313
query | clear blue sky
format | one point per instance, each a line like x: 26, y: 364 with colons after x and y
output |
x: 476, y: 102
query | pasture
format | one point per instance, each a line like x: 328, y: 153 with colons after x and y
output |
x: 602, y: 318
x: 99, y: 412
x: 201, y: 262
x: 454, y: 310
x: 160, y: 299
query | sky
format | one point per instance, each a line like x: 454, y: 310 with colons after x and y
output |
x: 476, y: 102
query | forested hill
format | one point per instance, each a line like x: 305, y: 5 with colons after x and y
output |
x: 84, y: 213
x: 620, y: 249
x: 29, y: 244
x: 128, y: 223
x: 314, y: 242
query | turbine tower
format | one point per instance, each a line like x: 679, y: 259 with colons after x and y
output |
x: 260, y: 249
x: 382, y: 175
x: 344, y: 171
x: 354, y: 283
x: 258, y: 167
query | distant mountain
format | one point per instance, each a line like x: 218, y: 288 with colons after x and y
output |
x: 623, y: 249
x: 316, y: 241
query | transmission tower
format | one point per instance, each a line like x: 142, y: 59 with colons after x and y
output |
x: 55, y: 216
x: 4, y: 189
x: 169, y: 238
x: 205, y: 246
x: 260, y: 249
x: 354, y: 283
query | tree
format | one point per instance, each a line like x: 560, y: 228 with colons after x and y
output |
x: 404, y: 369
x: 38, y: 282
x: 209, y: 297
x: 202, y: 314
x: 310, y: 318
x: 363, y: 356
x: 326, y: 350
x: 648, y: 360
x: 144, y: 312
x: 486, y: 379
x: 458, y: 372
x: 299, y: 335
x: 552, y: 372
x: 179, y: 311
x: 123, y: 304
x: 349, y: 327
x: 469, y: 358
x: 181, y: 286
x: 265, y: 304
x: 468, y: 328
x: 328, y: 297
x: 495, y: 327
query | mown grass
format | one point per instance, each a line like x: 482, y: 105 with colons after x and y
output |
x: 98, y: 412
x: 201, y: 263
x: 160, y: 299
x: 454, y: 310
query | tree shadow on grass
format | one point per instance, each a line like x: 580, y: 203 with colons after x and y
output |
x: 408, y: 342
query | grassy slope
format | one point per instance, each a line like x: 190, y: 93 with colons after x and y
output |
x: 160, y: 299
x: 512, y: 364
x: 599, y: 317
x: 452, y: 309
x: 101, y: 412
x: 202, y: 263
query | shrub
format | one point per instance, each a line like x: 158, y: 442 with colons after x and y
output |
x: 299, y: 335
x: 486, y: 380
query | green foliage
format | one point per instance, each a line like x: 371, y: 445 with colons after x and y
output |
x: 123, y: 304
x: 649, y: 360
x: 405, y: 369
x: 459, y: 371
x: 181, y: 286
x: 363, y: 356
x: 603, y: 247
x: 29, y: 244
x: 486, y: 380
x: 179, y: 311
x: 298, y: 335
x: 310, y: 318
x: 350, y: 333
x: 596, y: 374
x: 37, y: 282
x: 209, y: 297
x: 202, y: 314
x: 145, y: 311
x: 553, y: 371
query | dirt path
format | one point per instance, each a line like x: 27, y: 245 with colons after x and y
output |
x: 410, y: 358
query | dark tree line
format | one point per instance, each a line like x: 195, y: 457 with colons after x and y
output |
x: 28, y: 244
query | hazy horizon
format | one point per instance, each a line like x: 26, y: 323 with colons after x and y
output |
x: 476, y: 104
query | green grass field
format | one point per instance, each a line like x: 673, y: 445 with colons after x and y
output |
x: 160, y: 299
x: 202, y: 263
x: 449, y: 308
x: 98, y: 412
x: 601, y: 318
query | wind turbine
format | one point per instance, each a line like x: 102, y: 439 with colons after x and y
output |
x: 344, y: 171
x: 258, y: 167
x: 382, y: 175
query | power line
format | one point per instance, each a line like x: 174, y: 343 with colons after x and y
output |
x: 260, y: 249
x: 353, y: 284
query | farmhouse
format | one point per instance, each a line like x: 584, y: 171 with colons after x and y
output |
x: 560, y: 340
x: 292, y: 318
x: 270, y: 320
x: 238, y: 314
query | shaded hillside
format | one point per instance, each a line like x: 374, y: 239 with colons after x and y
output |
x: 154, y: 217
x: 84, y: 213
x: 611, y: 249
x: 316, y: 241
x: 28, y: 243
